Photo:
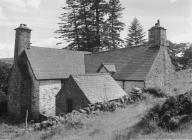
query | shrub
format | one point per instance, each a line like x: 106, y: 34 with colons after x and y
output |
x: 156, y: 92
x: 136, y: 95
x: 173, y: 113
x: 72, y: 121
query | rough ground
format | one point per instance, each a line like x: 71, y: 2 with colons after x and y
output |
x: 108, y: 125
x: 104, y: 126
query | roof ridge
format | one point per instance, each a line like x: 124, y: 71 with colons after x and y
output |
x: 107, y: 63
x: 61, y: 49
x: 130, y: 47
x: 90, y: 74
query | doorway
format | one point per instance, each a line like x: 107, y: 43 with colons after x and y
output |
x: 69, y: 105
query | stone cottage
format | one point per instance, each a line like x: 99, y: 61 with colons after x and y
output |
x: 81, y: 90
x: 142, y: 66
x: 38, y: 74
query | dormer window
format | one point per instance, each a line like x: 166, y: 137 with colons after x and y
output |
x: 107, y: 68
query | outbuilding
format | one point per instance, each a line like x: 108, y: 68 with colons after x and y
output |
x: 81, y: 90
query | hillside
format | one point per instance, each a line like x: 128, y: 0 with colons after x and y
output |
x: 183, y: 81
x: 6, y: 60
x: 102, y: 126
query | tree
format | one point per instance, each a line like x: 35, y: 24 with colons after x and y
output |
x: 91, y: 25
x: 99, y: 8
x: 135, y: 35
x: 181, y: 55
x: 4, y: 72
x: 113, y: 25
x: 69, y: 25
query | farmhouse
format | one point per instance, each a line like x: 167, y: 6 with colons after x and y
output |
x: 39, y: 74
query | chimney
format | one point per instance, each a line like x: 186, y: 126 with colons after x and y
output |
x: 22, y: 40
x: 157, y: 36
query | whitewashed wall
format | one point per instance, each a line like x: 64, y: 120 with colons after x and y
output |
x: 47, y: 91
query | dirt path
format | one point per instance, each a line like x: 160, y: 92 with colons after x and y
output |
x: 107, y: 125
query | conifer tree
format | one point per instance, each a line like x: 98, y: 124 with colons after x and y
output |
x: 135, y: 35
x: 85, y: 26
x: 99, y: 8
x: 69, y: 25
x: 113, y: 25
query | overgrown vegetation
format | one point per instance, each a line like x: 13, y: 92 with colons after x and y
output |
x: 181, y: 55
x: 171, y: 115
x: 156, y: 92
x: 4, y: 72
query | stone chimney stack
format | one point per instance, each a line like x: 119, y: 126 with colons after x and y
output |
x: 157, y: 36
x: 22, y: 40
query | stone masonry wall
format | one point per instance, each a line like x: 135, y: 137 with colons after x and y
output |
x: 34, y: 93
x: 70, y: 91
x: 169, y: 73
x: 23, y: 91
x: 14, y: 88
x: 48, y: 90
x: 161, y: 71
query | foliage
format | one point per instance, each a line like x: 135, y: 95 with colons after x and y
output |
x: 4, y: 72
x: 113, y: 25
x: 173, y: 113
x: 157, y: 92
x: 91, y: 25
x: 136, y: 95
x: 135, y: 35
x: 180, y: 54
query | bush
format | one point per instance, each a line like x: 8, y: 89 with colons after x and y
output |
x: 173, y: 113
x: 136, y: 95
x: 156, y: 92
x: 3, y: 103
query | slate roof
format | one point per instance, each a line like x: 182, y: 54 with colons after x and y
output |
x: 109, y: 67
x: 131, y: 63
x: 49, y: 63
x: 99, y: 87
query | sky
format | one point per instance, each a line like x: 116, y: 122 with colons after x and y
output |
x: 42, y: 17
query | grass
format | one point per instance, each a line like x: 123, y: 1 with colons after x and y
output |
x: 122, y: 124
x: 182, y: 133
x: 170, y: 119
x: 92, y: 127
